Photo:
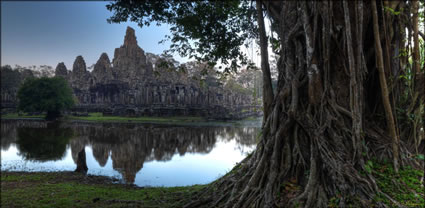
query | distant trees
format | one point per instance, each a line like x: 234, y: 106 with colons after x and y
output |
x: 51, y: 95
x: 40, y: 71
x: 11, y: 79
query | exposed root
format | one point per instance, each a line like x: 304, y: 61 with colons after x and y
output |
x: 315, y: 140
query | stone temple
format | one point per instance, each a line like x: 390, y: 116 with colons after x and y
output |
x: 132, y: 85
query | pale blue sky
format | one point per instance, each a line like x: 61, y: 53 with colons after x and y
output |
x: 45, y: 33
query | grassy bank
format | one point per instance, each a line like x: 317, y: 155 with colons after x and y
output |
x: 68, y: 189
x: 16, y: 116
x: 99, y: 118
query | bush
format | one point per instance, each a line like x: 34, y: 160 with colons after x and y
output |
x: 51, y: 95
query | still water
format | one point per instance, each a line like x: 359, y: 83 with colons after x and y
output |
x: 143, y: 154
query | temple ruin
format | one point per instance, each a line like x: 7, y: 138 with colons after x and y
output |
x: 132, y: 85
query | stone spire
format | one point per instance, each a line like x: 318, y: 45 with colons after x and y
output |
x: 130, y: 37
x: 80, y: 77
x: 61, y: 70
x: 79, y: 66
x: 130, y: 60
x: 102, y: 69
x: 104, y: 57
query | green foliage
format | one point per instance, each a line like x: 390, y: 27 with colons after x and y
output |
x: 369, y: 166
x: 10, y: 79
x: 405, y: 187
x: 234, y: 86
x: 45, y: 94
x: 334, y: 201
x: 210, y: 31
x: 392, y: 11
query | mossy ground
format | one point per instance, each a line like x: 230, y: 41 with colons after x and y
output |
x: 68, y: 189
x: 407, y: 187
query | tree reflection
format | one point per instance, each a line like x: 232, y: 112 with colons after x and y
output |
x: 8, y: 134
x: 43, y: 144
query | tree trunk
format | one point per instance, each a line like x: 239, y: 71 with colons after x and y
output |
x: 81, y: 162
x: 265, y: 67
x: 323, y: 121
x: 384, y: 90
x: 52, y: 115
x: 416, y: 55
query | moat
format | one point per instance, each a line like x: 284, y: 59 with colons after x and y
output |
x: 140, y: 154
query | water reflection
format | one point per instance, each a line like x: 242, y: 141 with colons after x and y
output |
x: 128, y: 146
x: 43, y: 144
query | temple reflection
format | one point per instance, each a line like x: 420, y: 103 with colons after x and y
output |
x: 128, y: 146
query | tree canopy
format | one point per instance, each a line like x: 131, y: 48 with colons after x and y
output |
x: 210, y: 31
x: 50, y: 95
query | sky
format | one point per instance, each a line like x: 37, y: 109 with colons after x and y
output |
x: 46, y: 33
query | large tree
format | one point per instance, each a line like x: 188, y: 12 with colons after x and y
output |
x: 339, y: 85
x: 51, y: 95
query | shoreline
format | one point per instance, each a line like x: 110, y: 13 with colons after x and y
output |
x: 172, y: 120
x: 71, y: 189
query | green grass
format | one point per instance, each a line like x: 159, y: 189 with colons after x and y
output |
x: 98, y: 117
x: 19, y: 178
x: 405, y: 187
x: 65, y: 190
x: 173, y: 120
x: 16, y: 116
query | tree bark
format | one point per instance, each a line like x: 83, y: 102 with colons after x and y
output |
x: 416, y: 55
x: 315, y: 138
x: 265, y: 67
x: 384, y: 90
